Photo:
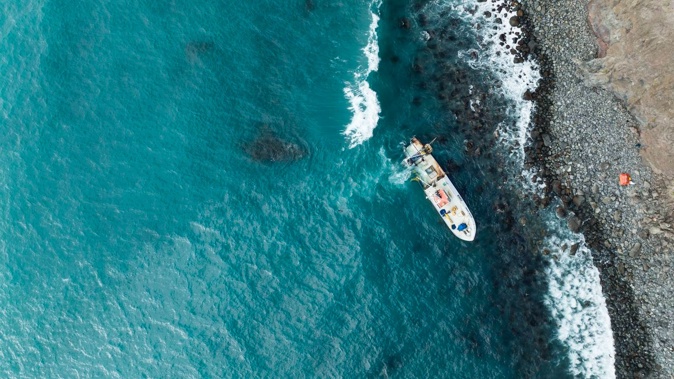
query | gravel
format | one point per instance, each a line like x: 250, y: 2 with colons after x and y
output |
x: 587, y: 138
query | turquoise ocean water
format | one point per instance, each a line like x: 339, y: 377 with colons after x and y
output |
x: 149, y: 227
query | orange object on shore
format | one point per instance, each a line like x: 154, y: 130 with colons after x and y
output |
x: 625, y: 179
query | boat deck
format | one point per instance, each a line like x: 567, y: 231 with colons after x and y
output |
x: 440, y: 191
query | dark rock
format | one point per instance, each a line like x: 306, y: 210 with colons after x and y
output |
x: 405, y: 23
x: 644, y: 234
x: 574, y: 249
x: 573, y: 223
x: 557, y: 187
x: 514, y: 21
x: 560, y: 211
x: 578, y: 200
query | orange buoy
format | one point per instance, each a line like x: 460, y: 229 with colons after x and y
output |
x: 625, y: 179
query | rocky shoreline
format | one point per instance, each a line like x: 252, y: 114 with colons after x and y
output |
x: 582, y: 139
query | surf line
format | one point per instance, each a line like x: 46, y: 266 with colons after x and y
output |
x: 575, y: 297
x: 363, y: 102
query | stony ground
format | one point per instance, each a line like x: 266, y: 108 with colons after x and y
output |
x: 584, y: 140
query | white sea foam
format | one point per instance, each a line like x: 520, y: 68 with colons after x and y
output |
x: 515, y: 79
x: 578, y: 306
x: 575, y: 296
x: 362, y: 99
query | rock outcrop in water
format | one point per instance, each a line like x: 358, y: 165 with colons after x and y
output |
x: 269, y: 147
x: 635, y: 61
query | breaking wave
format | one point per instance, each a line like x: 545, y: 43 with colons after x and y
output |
x: 574, y: 297
x: 516, y: 78
x: 578, y: 306
x: 363, y: 101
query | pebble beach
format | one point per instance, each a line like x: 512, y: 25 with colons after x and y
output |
x: 583, y: 138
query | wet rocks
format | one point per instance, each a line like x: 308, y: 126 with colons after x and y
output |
x: 560, y: 212
x: 573, y: 223
x: 575, y: 139
x: 578, y: 200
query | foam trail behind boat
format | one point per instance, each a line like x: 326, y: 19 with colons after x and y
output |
x: 363, y: 101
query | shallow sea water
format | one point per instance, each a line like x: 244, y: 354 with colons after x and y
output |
x: 143, y: 234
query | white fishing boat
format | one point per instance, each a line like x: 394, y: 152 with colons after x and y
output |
x: 440, y: 190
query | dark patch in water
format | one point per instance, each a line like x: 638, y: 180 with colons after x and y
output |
x: 309, y: 5
x: 269, y: 147
x: 195, y: 48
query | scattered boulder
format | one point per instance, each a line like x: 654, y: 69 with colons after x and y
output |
x: 578, y: 200
x: 561, y: 212
x: 617, y: 216
x: 573, y: 223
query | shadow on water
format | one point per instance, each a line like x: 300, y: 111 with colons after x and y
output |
x: 438, y: 95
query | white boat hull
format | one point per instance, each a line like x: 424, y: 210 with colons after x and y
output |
x: 440, y: 191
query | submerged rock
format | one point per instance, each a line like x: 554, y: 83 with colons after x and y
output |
x: 573, y: 223
x: 194, y: 48
x: 269, y: 147
x: 309, y: 5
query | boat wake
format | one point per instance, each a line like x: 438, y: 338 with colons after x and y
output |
x: 363, y: 101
